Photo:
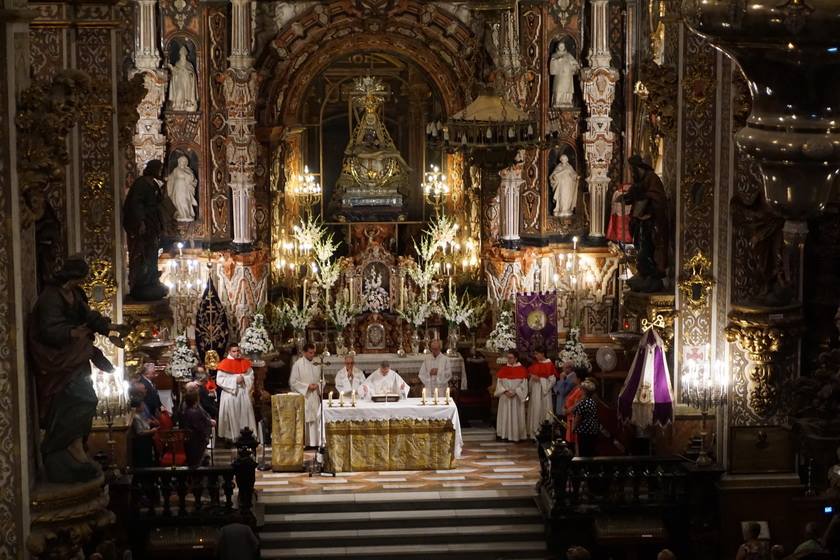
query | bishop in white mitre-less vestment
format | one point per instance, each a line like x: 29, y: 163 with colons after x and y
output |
x: 236, y: 379
x: 349, y: 378
x: 435, y: 372
x: 384, y: 381
x: 512, y: 390
x: 305, y: 379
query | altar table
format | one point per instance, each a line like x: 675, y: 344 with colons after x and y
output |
x: 404, y: 435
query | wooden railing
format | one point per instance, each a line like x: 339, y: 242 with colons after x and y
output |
x: 171, y: 497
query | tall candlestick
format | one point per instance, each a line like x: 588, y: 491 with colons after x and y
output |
x: 450, y: 284
x: 303, y: 297
x: 340, y: 398
x: 435, y: 395
x: 423, y: 396
x: 447, y: 396
x: 353, y: 396
x: 330, y: 397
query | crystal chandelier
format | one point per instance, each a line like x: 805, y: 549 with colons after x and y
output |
x: 435, y: 188
x: 306, y: 189
x: 705, y: 389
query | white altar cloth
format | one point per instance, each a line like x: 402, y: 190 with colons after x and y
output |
x: 405, y: 408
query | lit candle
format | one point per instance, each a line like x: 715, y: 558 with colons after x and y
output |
x: 340, y: 398
x: 303, y: 298
x: 574, y: 241
x: 423, y: 396
x: 330, y: 397
x: 436, y: 395
x: 180, y: 249
x: 353, y: 396
x: 447, y: 396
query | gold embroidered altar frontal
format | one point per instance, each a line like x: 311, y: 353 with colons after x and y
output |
x: 287, y: 425
x: 395, y: 445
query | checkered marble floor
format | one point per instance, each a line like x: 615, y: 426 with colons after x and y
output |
x: 485, y: 464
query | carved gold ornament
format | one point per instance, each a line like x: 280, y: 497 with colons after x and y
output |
x: 696, y: 286
x: 760, y: 342
x: 100, y: 285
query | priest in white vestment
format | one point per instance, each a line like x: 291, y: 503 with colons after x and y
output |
x: 542, y: 376
x: 306, y: 380
x: 435, y: 372
x: 236, y: 379
x: 384, y: 381
x: 512, y: 390
x: 349, y: 378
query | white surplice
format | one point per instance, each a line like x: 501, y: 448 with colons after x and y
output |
x: 510, y: 420
x: 388, y: 384
x: 305, y: 373
x: 235, y: 408
x: 444, y: 373
x: 539, y: 405
x: 343, y: 384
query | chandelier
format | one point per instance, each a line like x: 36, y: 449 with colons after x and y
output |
x: 306, y: 189
x: 705, y: 389
x: 435, y: 188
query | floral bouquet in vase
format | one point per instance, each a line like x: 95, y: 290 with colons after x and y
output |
x: 573, y: 351
x: 340, y: 315
x: 183, y: 360
x: 502, y: 338
x: 256, y: 342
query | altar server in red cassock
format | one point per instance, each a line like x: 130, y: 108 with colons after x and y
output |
x: 542, y: 376
x: 236, y: 379
x: 512, y: 390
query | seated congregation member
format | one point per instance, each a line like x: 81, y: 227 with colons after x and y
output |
x: 235, y: 378
x: 142, y: 446
x: 512, y: 390
x: 542, y: 376
x: 384, y: 381
x: 349, y: 378
x: 587, y: 426
x: 306, y: 380
x: 198, y: 423
x: 435, y: 371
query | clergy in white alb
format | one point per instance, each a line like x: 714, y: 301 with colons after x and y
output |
x: 384, y: 381
x: 236, y: 379
x: 349, y: 378
x: 542, y: 375
x: 435, y: 372
x: 305, y: 379
x: 512, y: 390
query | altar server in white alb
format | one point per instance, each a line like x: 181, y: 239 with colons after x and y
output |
x: 435, y: 372
x: 349, y: 378
x: 512, y: 390
x: 305, y: 379
x: 384, y: 381
x: 236, y: 379
x: 543, y: 375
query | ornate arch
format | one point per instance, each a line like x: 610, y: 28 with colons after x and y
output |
x: 436, y: 40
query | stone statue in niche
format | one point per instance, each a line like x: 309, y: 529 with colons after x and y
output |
x: 562, y: 67
x: 182, y: 86
x: 564, y: 184
x: 649, y: 225
x: 144, y: 221
x: 180, y: 186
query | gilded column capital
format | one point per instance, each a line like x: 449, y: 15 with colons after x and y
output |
x: 760, y: 333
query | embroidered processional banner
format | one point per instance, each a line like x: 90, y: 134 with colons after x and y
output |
x: 536, y: 321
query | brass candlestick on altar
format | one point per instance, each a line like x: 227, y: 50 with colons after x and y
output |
x: 435, y: 393
x: 423, y: 396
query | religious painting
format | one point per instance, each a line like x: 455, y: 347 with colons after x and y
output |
x: 536, y: 321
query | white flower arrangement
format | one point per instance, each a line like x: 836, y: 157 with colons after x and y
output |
x: 461, y: 311
x: 341, y: 314
x: 502, y: 338
x: 183, y: 360
x: 416, y: 312
x: 299, y: 317
x: 312, y: 234
x: 256, y: 339
x: 374, y: 296
x: 573, y: 351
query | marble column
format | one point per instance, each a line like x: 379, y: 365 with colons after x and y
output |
x: 598, y: 84
x: 511, y: 185
x: 241, y: 84
x: 149, y: 142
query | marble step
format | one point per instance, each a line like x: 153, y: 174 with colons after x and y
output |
x: 509, y: 550
x: 353, y: 520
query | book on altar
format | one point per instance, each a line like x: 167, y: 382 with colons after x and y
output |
x: 387, y: 397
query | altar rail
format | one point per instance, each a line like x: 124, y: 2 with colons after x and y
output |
x: 626, y: 507
x: 170, y: 505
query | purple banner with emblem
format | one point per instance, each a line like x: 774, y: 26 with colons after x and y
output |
x: 536, y: 322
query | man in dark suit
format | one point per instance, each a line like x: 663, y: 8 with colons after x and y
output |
x: 151, y: 398
x: 206, y: 398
